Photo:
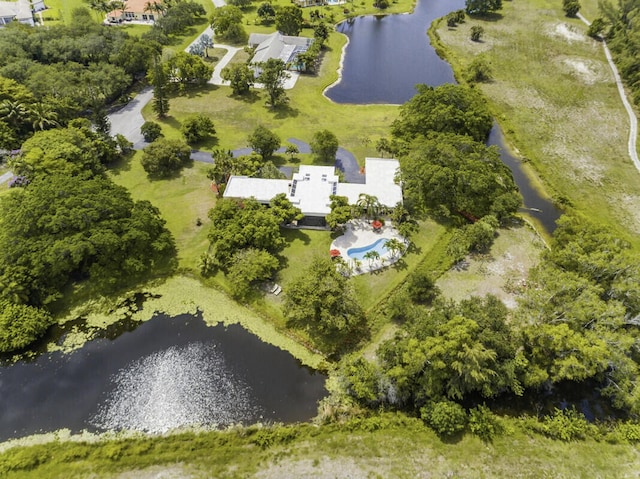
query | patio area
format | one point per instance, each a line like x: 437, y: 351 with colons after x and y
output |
x: 359, y: 238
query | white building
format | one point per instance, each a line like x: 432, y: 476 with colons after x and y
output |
x: 276, y: 45
x: 20, y: 11
x: 311, y: 188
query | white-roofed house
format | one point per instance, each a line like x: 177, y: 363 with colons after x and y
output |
x: 312, y: 187
x: 277, y: 45
x: 21, y: 11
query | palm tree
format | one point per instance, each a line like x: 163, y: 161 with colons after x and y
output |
x: 13, y: 113
x: 395, y: 247
x: 369, y: 204
x: 43, y: 116
x: 371, y: 256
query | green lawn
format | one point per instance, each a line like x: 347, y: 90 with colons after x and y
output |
x: 554, y: 96
x: 181, y: 200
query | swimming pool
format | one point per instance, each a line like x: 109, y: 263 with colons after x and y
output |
x: 379, y: 246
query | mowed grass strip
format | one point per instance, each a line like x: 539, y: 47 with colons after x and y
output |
x: 554, y: 95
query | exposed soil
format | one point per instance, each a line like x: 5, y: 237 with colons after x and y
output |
x: 502, y: 272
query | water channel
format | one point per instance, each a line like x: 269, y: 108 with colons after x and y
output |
x: 388, y: 55
x: 166, y: 373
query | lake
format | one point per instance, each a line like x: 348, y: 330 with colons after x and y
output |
x: 388, y: 55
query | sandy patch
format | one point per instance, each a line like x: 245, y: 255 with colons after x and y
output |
x: 586, y: 71
x: 567, y: 32
x: 158, y: 472
x: 502, y: 273
x: 583, y: 166
x: 324, y: 468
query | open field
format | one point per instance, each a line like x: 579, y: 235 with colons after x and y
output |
x: 554, y: 96
x: 372, y: 448
x: 502, y: 272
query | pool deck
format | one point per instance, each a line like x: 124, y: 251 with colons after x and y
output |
x: 360, y: 233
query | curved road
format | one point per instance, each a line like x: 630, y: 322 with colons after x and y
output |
x: 633, y: 121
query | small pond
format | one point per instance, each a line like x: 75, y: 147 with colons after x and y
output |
x: 388, y: 55
x: 167, y: 373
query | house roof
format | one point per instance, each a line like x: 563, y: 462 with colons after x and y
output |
x: 20, y: 11
x: 311, y: 188
x: 276, y: 45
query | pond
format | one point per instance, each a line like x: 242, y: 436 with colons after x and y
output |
x: 166, y: 373
x: 388, y: 55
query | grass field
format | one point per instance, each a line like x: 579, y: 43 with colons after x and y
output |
x: 381, y: 447
x: 554, y: 96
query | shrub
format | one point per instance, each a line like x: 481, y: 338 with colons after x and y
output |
x: 197, y: 128
x: 483, y: 423
x: 566, y: 425
x: 21, y: 324
x: 444, y: 417
x: 476, y: 33
x: 421, y: 287
x: 150, y: 131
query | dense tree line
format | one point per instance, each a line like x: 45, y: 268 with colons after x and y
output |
x: 623, y: 38
x: 68, y: 223
x: 445, y: 166
x: 48, y: 76
x: 577, y: 322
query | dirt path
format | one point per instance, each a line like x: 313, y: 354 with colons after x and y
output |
x: 633, y: 121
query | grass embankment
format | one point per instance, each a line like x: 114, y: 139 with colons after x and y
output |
x: 555, y: 97
x: 375, y: 448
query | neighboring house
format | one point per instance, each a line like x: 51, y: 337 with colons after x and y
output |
x: 311, y: 188
x: 21, y: 11
x: 276, y: 45
x: 138, y: 10
x: 310, y: 3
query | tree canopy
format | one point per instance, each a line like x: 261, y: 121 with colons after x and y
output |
x: 447, y: 108
x: 62, y: 228
x: 164, y: 157
x: 446, y: 174
x: 321, y: 301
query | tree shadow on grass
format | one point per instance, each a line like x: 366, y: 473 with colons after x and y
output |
x: 122, y: 164
x: 170, y: 121
x: 285, y: 111
x: 196, y: 92
x: 172, y: 175
x: 250, y: 97
x: 488, y: 17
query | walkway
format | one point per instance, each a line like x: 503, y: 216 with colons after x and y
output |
x: 633, y: 121
x: 6, y: 177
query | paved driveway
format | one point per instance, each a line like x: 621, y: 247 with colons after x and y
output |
x: 128, y: 120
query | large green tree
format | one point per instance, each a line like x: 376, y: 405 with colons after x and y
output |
x: 446, y: 173
x: 322, y: 302
x: 447, y: 108
x: 226, y: 22
x: 164, y: 157
x: 289, y: 20
x: 63, y: 228
x: 482, y: 7
x: 240, y: 77
x: 264, y: 142
x: 241, y: 224
x: 273, y: 73
x: 324, y: 146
